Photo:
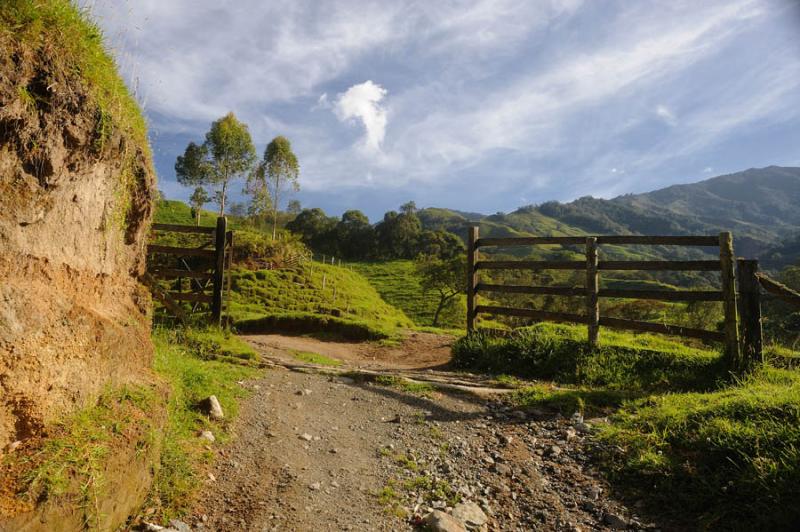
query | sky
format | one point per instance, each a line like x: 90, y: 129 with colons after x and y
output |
x: 480, y: 106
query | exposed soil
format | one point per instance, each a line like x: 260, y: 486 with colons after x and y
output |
x: 325, y: 452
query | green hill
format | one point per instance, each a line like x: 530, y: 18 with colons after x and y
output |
x: 760, y: 206
x: 399, y: 285
x: 311, y: 299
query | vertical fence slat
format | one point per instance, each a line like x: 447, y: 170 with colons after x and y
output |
x: 592, y: 290
x: 219, y: 268
x: 732, y: 347
x: 472, y: 277
x: 750, y: 313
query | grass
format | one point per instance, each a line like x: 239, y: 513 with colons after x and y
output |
x: 316, y: 358
x: 726, y: 459
x: 399, y: 285
x: 313, y: 298
x: 698, y: 450
x: 621, y: 362
x: 192, y: 376
x: 70, y: 463
x: 416, y: 388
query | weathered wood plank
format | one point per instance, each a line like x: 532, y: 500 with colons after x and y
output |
x: 530, y: 313
x: 164, y: 297
x: 643, y: 240
x: 728, y: 276
x: 663, y: 295
x: 661, y: 265
x: 219, y: 270
x: 533, y: 290
x: 172, y: 273
x: 530, y: 241
x: 472, y: 276
x: 194, y: 297
x: 592, y: 285
x: 183, y: 252
x: 531, y: 265
x: 644, y: 326
x: 175, y: 228
x: 750, y: 310
x: 780, y: 291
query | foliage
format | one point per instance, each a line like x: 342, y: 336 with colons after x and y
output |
x: 226, y: 154
x: 560, y: 352
x: 277, y: 171
x: 199, y: 198
x: 315, y: 358
x: 444, y: 277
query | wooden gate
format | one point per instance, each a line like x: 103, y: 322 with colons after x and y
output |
x: 592, y: 292
x: 203, y: 266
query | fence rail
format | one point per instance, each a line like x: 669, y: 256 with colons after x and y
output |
x: 210, y: 274
x: 592, y: 292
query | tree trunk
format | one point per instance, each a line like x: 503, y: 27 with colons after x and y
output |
x: 275, y: 212
x: 442, y: 302
x: 222, y: 199
x: 197, y: 217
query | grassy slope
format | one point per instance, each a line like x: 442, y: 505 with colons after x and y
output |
x: 399, y: 285
x: 692, y: 446
x: 295, y: 300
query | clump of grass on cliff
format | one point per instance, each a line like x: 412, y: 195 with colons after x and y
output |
x: 74, y: 43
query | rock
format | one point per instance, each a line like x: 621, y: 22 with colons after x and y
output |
x: 11, y: 447
x: 442, y: 522
x: 150, y: 527
x: 570, y: 434
x: 577, y: 418
x: 211, y: 407
x: 614, y: 521
x: 211, y: 477
x: 555, y: 450
x: 306, y: 436
x: 346, y: 380
x: 208, y: 435
x: 519, y: 414
x: 502, y: 469
x: 180, y: 526
x: 470, y: 514
x: 315, y: 486
x: 594, y: 492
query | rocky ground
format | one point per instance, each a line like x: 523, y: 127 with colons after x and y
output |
x: 323, y: 452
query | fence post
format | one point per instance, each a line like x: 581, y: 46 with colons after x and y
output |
x: 592, y: 287
x: 750, y: 311
x: 732, y: 347
x: 472, y: 277
x: 219, y: 269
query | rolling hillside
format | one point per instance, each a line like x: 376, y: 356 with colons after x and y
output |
x: 761, y: 207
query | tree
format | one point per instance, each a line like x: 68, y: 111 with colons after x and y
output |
x: 199, y: 198
x: 237, y: 208
x: 398, y: 234
x: 441, y: 244
x: 445, y: 277
x: 293, y: 207
x: 277, y: 171
x: 226, y: 154
x: 315, y: 229
x: 355, y: 237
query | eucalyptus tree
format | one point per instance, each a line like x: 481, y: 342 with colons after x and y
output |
x: 199, y: 198
x: 226, y: 154
x: 277, y: 172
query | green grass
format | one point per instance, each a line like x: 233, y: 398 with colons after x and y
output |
x: 314, y: 298
x: 316, y: 358
x: 416, y: 388
x: 192, y: 377
x: 69, y: 464
x: 399, y: 285
x: 621, y: 362
x: 727, y: 459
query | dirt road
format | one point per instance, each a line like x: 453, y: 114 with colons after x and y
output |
x: 319, y: 452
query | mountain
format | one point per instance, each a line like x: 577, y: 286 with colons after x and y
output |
x: 760, y: 206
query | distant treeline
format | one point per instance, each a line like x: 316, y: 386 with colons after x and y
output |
x: 399, y: 235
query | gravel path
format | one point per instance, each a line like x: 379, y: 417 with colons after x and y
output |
x: 317, y: 452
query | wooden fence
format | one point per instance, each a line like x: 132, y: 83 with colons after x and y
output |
x: 751, y: 284
x: 206, y: 273
x: 592, y: 292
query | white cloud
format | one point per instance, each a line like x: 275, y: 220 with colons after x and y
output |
x: 666, y: 114
x: 363, y: 102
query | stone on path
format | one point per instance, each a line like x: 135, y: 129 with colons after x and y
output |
x: 470, y: 514
x: 443, y: 522
x: 211, y: 407
x: 208, y: 435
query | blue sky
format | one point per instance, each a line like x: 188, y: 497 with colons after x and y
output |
x: 479, y: 106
